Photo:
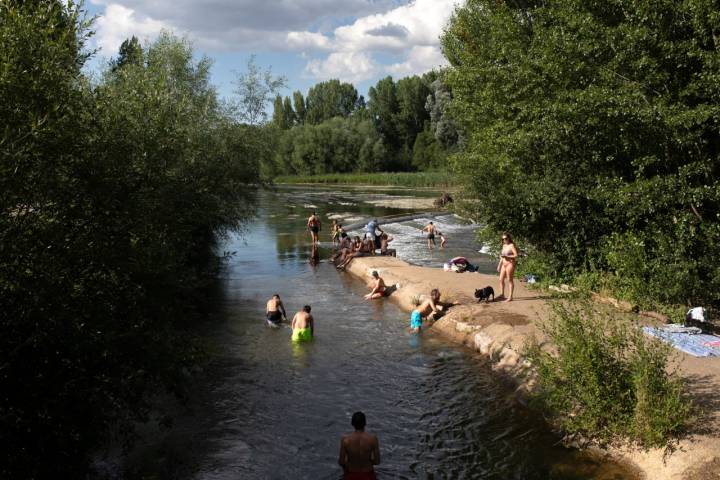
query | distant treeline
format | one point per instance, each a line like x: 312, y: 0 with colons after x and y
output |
x: 403, y: 126
x: 111, y: 194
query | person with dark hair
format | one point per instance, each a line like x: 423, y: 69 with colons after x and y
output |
x: 506, y: 266
x: 430, y: 230
x: 275, y: 311
x: 359, y: 451
x: 379, y: 289
x: 313, y: 224
x: 429, y: 308
x: 385, y: 240
x: 303, y: 325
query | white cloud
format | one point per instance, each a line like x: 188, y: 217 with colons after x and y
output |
x: 229, y: 25
x: 411, y: 31
x: 119, y: 23
x: 419, y: 60
x: 407, y: 30
x: 307, y: 41
x: 346, y: 66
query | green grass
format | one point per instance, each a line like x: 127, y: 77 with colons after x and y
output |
x: 404, y: 179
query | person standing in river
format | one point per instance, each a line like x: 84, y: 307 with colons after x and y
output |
x: 275, y: 311
x: 430, y: 230
x: 334, y: 232
x: 303, y: 325
x: 313, y: 224
x: 359, y: 451
x: 371, y: 230
x: 506, y: 266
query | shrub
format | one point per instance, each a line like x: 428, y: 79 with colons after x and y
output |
x: 607, y: 381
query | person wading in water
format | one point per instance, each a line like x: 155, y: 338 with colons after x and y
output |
x: 275, y: 311
x: 359, y: 451
x: 430, y: 230
x: 313, y: 224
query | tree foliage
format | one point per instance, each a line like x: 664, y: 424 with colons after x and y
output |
x: 326, y: 100
x: 255, y: 88
x: 111, y: 196
x: 592, y: 132
x: 399, y: 139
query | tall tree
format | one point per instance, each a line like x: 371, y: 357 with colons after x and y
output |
x: 329, y: 99
x: 438, y: 104
x: 255, y: 88
x: 299, y: 103
x: 411, y: 117
x: 290, y: 117
x: 279, y: 118
x: 383, y: 107
x: 130, y: 53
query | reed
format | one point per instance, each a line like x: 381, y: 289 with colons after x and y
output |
x: 404, y: 179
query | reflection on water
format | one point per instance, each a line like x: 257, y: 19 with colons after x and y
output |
x: 271, y: 409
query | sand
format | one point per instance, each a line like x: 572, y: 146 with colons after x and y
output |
x: 501, y: 329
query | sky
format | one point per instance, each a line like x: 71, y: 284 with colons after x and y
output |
x: 307, y: 41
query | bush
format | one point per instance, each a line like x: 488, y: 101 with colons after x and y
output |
x: 607, y: 381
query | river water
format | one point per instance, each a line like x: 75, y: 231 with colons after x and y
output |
x: 267, y: 409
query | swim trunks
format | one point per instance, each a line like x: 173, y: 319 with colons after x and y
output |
x: 302, y: 335
x: 431, y: 236
x: 360, y: 476
x: 415, y: 319
x: 314, y: 229
x: 274, y: 317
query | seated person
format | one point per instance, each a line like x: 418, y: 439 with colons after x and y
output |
x: 379, y: 289
x: 360, y: 249
x: 385, y: 240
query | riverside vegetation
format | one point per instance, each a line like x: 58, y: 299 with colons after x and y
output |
x: 591, y: 134
x: 112, y: 192
x: 587, y: 129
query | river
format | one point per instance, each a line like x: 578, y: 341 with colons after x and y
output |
x: 266, y: 409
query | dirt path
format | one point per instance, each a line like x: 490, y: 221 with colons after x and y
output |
x: 500, y: 329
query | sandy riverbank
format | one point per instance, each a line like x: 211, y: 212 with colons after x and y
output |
x: 499, y: 330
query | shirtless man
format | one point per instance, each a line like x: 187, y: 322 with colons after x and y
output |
x: 379, y: 287
x: 275, y: 311
x: 359, y: 451
x: 430, y: 230
x: 303, y: 325
x: 429, y: 308
x: 313, y: 224
x: 385, y: 240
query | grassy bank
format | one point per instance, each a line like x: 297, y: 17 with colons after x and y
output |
x: 403, y: 179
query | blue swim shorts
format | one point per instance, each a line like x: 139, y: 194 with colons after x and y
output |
x: 415, y: 319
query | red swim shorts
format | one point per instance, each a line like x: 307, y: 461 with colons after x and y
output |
x: 360, y: 476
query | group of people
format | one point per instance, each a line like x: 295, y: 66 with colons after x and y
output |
x: 359, y: 450
x: 431, y: 231
x: 303, y: 324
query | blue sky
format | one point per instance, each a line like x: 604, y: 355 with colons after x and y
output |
x: 358, y: 41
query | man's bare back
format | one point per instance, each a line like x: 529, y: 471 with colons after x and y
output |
x: 302, y: 320
x: 359, y: 451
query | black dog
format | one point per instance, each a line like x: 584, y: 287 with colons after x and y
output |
x: 484, y: 294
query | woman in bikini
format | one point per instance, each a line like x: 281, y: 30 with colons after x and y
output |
x: 506, y: 266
